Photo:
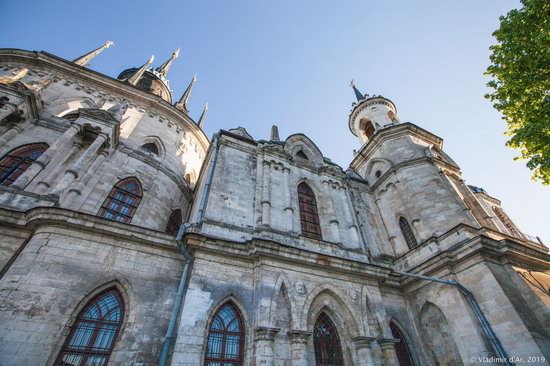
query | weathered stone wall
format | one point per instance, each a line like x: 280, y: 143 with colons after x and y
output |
x: 61, y: 268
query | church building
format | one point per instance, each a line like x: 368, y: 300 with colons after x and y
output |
x: 129, y: 237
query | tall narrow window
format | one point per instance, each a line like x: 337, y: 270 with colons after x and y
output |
x: 309, y: 218
x: 94, y: 332
x: 407, y: 232
x: 174, y: 222
x: 326, y: 343
x: 225, y: 338
x: 401, y: 348
x: 122, y: 202
x: 16, y: 161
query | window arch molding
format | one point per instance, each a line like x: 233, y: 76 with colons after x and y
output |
x: 119, y: 211
x: 158, y: 143
x: 127, y: 296
x: 14, y: 162
x: 212, y: 314
x: 408, y: 340
x: 64, y: 106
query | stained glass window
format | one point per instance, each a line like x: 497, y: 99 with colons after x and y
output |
x: 407, y: 232
x: 401, y: 348
x: 326, y: 343
x: 309, y: 218
x: 122, y: 202
x: 225, y: 338
x: 94, y: 332
x: 16, y: 161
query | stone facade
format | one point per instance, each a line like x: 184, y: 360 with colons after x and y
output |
x: 400, y: 210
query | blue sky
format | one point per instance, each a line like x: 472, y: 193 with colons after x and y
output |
x: 289, y: 62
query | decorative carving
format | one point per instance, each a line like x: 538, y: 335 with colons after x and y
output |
x: 354, y: 295
x: 300, y: 287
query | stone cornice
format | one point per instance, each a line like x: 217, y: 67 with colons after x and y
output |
x: 257, y: 249
x: 40, y: 217
x: 107, y: 83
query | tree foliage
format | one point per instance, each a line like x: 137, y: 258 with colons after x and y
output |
x: 520, y: 78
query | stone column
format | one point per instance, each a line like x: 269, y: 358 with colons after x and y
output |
x: 263, y: 344
x: 83, y: 160
x: 40, y: 163
x: 266, y: 203
x: 77, y: 190
x: 388, y: 351
x: 45, y: 183
x: 10, y: 134
x: 364, y: 352
x: 289, y: 219
x: 334, y: 225
x: 298, y: 347
x: 348, y: 212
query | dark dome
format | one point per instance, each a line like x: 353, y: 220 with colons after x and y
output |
x: 151, y: 82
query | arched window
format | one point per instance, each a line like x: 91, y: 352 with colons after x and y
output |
x: 368, y: 127
x: 16, y: 161
x: 73, y: 116
x: 122, y: 202
x: 308, y: 212
x: 225, y: 338
x: 151, y: 147
x: 301, y: 154
x: 407, y: 232
x: 401, y: 348
x: 326, y: 343
x: 174, y: 222
x: 94, y: 332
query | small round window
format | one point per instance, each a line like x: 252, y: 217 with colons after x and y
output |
x: 378, y: 174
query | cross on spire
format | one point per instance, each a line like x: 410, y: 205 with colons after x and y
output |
x: 360, y: 96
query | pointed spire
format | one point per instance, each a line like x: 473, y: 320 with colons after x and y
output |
x: 139, y: 74
x: 182, y: 105
x: 85, y: 59
x: 274, y: 133
x: 163, y: 69
x: 358, y: 94
x: 203, y: 115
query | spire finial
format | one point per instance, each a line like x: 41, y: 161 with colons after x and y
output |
x: 163, y: 69
x: 203, y: 115
x: 85, y: 59
x: 274, y: 133
x: 139, y: 74
x: 358, y: 94
x: 182, y: 105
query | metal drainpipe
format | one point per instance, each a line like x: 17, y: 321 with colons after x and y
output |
x: 188, y: 258
x: 488, y: 330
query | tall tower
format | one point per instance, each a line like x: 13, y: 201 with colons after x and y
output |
x: 406, y: 169
x: 370, y: 114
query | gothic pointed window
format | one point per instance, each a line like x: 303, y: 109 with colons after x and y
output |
x: 301, y: 154
x: 407, y: 232
x: 174, y: 222
x: 328, y: 351
x: 16, y: 161
x: 151, y: 147
x: 122, y: 201
x: 225, y: 338
x: 401, y: 348
x: 93, y: 335
x: 309, y: 218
